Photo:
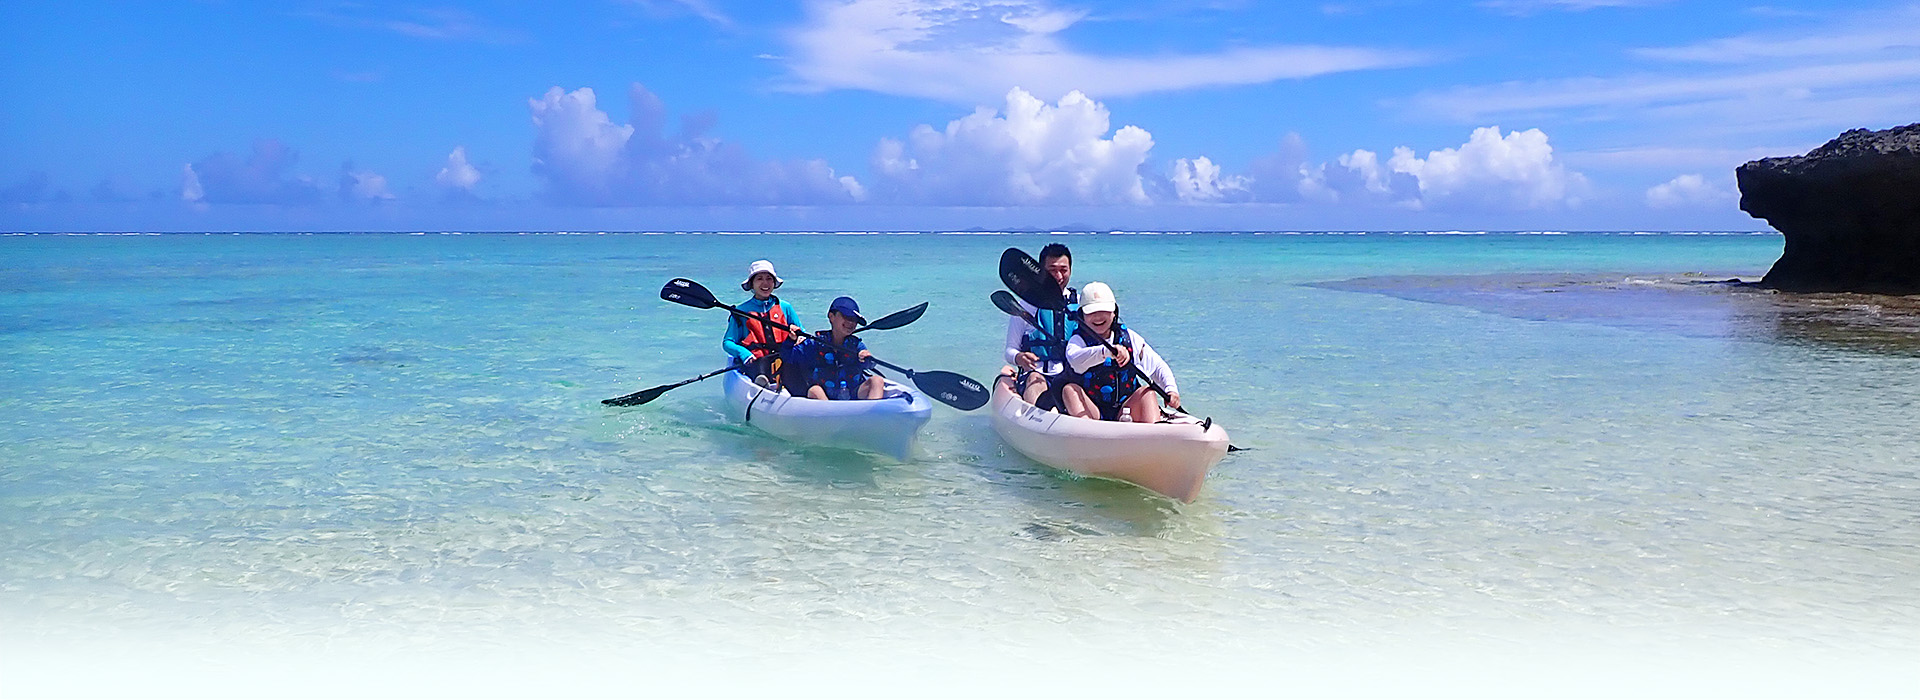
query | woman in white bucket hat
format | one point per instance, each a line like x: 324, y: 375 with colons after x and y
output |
x: 1106, y: 384
x: 756, y: 344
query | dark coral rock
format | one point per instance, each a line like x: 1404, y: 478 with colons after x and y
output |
x: 1850, y: 211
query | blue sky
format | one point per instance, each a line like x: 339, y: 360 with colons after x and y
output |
x: 926, y: 114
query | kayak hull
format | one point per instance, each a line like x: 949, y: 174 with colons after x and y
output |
x: 888, y: 426
x: 1171, y: 459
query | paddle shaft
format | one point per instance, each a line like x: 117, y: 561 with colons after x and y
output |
x: 646, y: 395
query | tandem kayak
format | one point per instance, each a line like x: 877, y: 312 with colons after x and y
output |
x: 1169, y: 458
x: 886, y: 426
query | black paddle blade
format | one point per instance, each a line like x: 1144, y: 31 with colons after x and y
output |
x: 896, y: 319
x: 681, y: 290
x: 638, y: 397
x: 952, y: 389
x: 1005, y: 301
x: 1023, y: 275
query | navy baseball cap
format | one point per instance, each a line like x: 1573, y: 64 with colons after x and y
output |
x: 845, y: 307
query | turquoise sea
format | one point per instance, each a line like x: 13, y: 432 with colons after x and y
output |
x: 1495, y: 464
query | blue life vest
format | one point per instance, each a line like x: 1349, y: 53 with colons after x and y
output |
x: 1048, y: 338
x: 1108, y: 383
x: 838, y: 373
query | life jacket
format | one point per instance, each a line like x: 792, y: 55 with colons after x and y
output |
x: 838, y: 373
x: 1108, y: 383
x: 1047, y: 339
x: 765, y: 339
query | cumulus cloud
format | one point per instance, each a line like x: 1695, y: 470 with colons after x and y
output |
x: 1512, y: 171
x: 973, y: 50
x: 1034, y: 153
x: 458, y: 176
x: 363, y: 185
x: 1199, y: 180
x: 1689, y: 190
x: 1492, y: 171
x: 262, y: 178
x: 586, y: 158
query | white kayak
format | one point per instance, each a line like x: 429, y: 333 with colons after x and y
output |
x: 1170, y: 458
x: 886, y: 426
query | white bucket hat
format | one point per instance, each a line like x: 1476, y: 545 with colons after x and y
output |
x: 758, y: 267
x: 1097, y: 296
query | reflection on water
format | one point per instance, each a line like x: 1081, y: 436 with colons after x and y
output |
x: 1692, y: 304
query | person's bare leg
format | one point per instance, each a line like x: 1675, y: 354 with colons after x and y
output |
x: 1036, y: 388
x: 1145, y: 406
x: 874, y: 388
x: 1075, y: 402
x: 815, y: 392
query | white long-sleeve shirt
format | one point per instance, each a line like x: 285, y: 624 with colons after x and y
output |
x: 1083, y: 358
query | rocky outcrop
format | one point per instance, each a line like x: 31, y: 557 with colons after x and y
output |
x: 1850, y: 211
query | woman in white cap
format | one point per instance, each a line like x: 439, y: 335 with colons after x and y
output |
x: 1106, y: 384
x: 756, y: 344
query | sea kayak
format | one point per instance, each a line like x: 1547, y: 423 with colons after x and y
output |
x: 1169, y: 458
x: 886, y: 426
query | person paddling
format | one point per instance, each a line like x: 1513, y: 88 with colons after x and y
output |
x: 755, y: 344
x: 1105, y: 384
x: 834, y: 364
x: 1039, y: 354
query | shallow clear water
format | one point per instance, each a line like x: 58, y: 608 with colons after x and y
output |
x: 319, y: 442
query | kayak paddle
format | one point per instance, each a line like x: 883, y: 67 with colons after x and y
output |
x: 952, y: 389
x: 895, y: 319
x: 645, y: 395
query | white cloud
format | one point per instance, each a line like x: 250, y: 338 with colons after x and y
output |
x: 1691, y: 190
x: 1513, y: 171
x: 587, y: 159
x: 973, y: 50
x: 363, y: 185
x: 439, y: 24
x: 698, y: 8
x: 458, y: 175
x: 1629, y: 95
x: 191, y: 190
x: 1875, y: 32
x: 1034, y: 154
x: 262, y: 178
x: 1199, y: 180
x: 1516, y: 171
x: 1852, y: 70
x: 1678, y: 157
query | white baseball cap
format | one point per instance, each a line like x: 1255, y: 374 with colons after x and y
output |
x: 758, y: 267
x: 1097, y: 296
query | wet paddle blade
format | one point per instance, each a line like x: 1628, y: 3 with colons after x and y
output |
x: 896, y: 319
x: 1023, y: 275
x: 638, y: 397
x: 1005, y: 301
x: 681, y: 290
x: 645, y: 395
x: 951, y: 389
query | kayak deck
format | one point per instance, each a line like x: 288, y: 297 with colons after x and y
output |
x: 1169, y: 458
x: 888, y: 426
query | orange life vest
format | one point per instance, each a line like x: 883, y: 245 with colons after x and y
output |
x: 765, y: 339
